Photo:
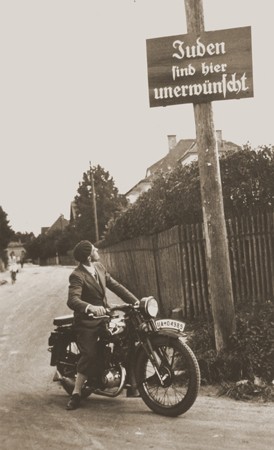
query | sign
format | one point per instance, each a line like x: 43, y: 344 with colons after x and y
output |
x: 214, y: 65
x: 171, y: 324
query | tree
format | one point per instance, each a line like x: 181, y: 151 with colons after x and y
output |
x: 48, y: 245
x: 6, y: 233
x: 108, y: 202
x: 248, y: 180
x: 173, y: 198
x: 24, y: 237
x: 107, y: 199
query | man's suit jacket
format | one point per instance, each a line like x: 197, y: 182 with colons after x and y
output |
x: 85, y: 290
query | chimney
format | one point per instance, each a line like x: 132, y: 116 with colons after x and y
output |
x: 172, y: 141
x: 219, y: 138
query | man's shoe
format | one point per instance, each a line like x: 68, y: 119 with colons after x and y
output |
x: 74, y: 402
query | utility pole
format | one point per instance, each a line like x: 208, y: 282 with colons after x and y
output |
x: 93, y: 193
x: 219, y: 275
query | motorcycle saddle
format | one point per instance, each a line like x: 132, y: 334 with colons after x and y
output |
x: 63, y: 320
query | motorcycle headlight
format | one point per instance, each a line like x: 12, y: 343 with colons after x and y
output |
x: 149, y: 306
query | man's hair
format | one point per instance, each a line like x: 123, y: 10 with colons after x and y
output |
x: 82, y: 250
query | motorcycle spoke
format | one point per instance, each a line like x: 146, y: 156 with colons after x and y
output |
x: 166, y: 396
x: 177, y: 389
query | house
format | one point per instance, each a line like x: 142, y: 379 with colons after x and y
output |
x: 17, y: 248
x: 139, y: 188
x: 60, y: 224
x: 223, y: 147
x: 183, y: 152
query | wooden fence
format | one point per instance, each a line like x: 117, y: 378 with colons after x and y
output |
x: 172, y: 265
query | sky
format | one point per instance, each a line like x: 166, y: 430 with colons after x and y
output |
x: 74, y: 90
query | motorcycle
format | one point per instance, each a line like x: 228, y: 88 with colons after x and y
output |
x: 148, y: 357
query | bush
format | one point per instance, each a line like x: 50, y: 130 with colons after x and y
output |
x: 246, y: 367
x: 174, y: 197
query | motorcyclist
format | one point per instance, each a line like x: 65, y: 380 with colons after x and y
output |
x: 87, y: 294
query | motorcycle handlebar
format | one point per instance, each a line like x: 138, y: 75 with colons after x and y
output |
x: 124, y: 307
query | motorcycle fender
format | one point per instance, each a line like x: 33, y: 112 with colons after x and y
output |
x: 167, y: 332
x: 162, y: 332
x: 54, y: 355
x: 55, y: 342
x: 172, y: 327
x: 172, y: 333
x: 53, y: 338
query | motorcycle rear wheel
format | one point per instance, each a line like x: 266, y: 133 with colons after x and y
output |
x: 182, y: 377
x: 67, y: 367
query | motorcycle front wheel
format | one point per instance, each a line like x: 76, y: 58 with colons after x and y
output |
x: 180, y: 376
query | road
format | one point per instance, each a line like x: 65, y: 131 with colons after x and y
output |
x: 32, y: 406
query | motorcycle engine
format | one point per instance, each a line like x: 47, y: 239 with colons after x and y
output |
x: 111, y: 378
x: 117, y: 325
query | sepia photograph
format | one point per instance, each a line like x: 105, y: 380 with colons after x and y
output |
x: 136, y: 225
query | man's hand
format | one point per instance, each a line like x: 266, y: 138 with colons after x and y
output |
x: 96, y: 310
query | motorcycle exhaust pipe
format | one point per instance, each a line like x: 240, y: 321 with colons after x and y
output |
x: 70, y: 384
x: 118, y: 391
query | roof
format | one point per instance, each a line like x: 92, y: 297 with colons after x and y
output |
x: 138, y: 186
x: 223, y: 147
x: 178, y: 154
x: 183, y: 148
x: 171, y: 159
x: 60, y: 224
x: 14, y: 245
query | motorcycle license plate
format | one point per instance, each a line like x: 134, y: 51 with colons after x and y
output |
x: 170, y: 324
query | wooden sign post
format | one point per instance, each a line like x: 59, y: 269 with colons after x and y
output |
x: 200, y: 67
x: 94, y: 204
x: 220, y: 285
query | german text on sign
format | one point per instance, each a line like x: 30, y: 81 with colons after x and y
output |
x: 214, y: 65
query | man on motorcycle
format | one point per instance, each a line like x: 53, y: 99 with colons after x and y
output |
x: 87, y: 295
